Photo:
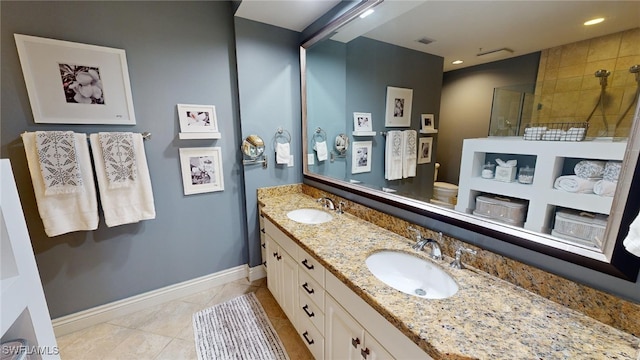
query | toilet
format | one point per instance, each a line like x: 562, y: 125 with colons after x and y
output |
x: 444, y: 194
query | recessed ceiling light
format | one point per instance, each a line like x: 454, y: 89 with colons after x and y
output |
x: 366, y: 13
x: 594, y: 21
x: 457, y: 62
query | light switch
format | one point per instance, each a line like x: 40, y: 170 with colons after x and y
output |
x: 310, y: 159
x: 290, y: 161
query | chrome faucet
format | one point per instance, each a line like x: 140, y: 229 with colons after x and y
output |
x: 340, y: 209
x: 421, y: 242
x: 457, y: 263
x: 326, y: 203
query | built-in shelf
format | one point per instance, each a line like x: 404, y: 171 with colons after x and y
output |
x: 429, y: 131
x: 203, y: 135
x: 364, y: 133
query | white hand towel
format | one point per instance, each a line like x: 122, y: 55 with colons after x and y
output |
x: 67, y: 212
x: 575, y: 184
x: 321, y: 150
x: 605, y: 188
x: 125, y: 205
x: 632, y: 241
x: 119, y: 158
x: 58, y: 164
x: 410, y: 155
x: 393, y: 155
x: 553, y: 135
x: 282, y: 153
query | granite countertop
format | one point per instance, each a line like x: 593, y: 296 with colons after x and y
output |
x: 488, y: 318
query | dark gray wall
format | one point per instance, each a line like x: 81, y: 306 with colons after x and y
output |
x: 465, y: 111
x: 269, y: 84
x: 177, y: 52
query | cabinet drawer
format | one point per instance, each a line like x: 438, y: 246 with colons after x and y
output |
x: 311, y: 266
x: 307, y: 309
x: 311, y: 337
x: 309, y: 287
x: 281, y: 238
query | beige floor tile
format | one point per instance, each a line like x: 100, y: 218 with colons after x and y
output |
x: 178, y: 349
x: 66, y: 340
x: 140, y: 345
x: 96, y: 342
x: 230, y: 291
x: 269, y: 304
x: 171, y: 318
x: 203, y: 297
x: 293, y: 343
x: 137, y: 319
x: 186, y: 333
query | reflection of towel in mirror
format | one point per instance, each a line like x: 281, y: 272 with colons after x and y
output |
x: 605, y: 188
x: 632, y: 241
x: 409, y: 157
x: 589, y: 168
x: 282, y: 153
x: 321, y: 150
x: 67, y: 212
x: 393, y: 155
x: 575, y: 184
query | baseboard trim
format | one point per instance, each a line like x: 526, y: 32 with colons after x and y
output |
x: 256, y: 272
x: 107, y: 312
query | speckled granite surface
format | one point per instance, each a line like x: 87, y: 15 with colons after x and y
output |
x: 487, y: 319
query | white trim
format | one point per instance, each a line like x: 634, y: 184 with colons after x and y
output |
x: 99, y: 314
x: 256, y: 272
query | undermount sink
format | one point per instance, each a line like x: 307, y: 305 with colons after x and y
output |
x: 309, y: 216
x: 411, y: 275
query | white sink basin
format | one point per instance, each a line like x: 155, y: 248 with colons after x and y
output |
x: 411, y: 274
x: 309, y: 216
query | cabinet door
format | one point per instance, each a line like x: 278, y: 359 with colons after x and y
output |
x: 272, y: 267
x: 344, y: 337
x: 288, y: 285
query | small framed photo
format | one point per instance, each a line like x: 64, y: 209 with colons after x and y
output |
x: 197, y: 118
x: 425, y: 146
x: 427, y: 122
x: 73, y: 83
x: 362, y: 121
x: 361, y: 157
x: 398, y: 110
x: 201, y: 170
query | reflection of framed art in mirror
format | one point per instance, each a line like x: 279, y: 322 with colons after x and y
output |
x: 425, y: 146
x: 398, y: 111
x: 361, y: 158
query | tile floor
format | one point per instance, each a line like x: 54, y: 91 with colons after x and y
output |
x: 165, y: 331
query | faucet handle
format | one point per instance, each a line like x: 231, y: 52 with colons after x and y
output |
x: 340, y: 209
x: 418, y: 234
x: 457, y: 263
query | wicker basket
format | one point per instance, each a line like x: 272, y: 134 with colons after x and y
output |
x: 582, y: 225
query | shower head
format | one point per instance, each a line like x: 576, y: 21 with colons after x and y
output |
x: 603, y: 75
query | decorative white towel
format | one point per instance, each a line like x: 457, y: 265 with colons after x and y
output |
x: 119, y: 158
x: 68, y: 212
x: 393, y: 155
x: 589, y: 168
x: 58, y: 164
x: 575, y: 184
x: 612, y: 170
x: 125, y: 205
x: 321, y: 150
x: 632, y: 241
x: 605, y: 188
x: 410, y: 155
x: 282, y: 153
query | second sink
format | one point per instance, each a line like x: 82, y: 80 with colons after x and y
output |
x: 309, y: 216
x: 411, y: 274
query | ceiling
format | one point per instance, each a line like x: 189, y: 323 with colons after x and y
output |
x: 461, y: 29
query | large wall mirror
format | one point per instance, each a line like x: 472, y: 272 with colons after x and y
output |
x: 549, y: 167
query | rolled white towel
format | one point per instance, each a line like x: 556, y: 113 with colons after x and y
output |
x: 632, y: 241
x: 534, y: 133
x: 605, y: 187
x: 573, y: 134
x: 553, y: 135
x: 612, y: 170
x: 575, y: 184
x: 589, y: 169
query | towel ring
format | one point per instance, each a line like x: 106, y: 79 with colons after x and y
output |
x: 283, y: 134
x: 319, y: 133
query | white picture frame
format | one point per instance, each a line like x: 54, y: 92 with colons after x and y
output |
x: 197, y: 118
x: 361, y: 156
x: 201, y: 170
x: 425, y: 148
x: 362, y: 122
x: 427, y: 123
x: 73, y: 83
x: 398, y: 107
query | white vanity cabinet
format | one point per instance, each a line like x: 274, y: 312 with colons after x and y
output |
x: 346, y: 338
x: 282, y: 270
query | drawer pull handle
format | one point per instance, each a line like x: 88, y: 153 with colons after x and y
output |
x: 364, y: 352
x: 304, y: 262
x: 275, y: 254
x: 306, y: 287
x: 279, y: 257
x: 310, y: 342
x: 264, y: 245
x: 264, y: 263
x: 262, y: 216
x: 306, y: 310
x: 262, y: 231
x: 355, y: 342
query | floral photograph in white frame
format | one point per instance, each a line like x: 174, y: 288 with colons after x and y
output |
x: 427, y: 122
x: 398, y: 107
x: 362, y: 122
x: 201, y: 170
x: 425, y: 147
x: 197, y: 118
x: 74, y: 83
x: 361, y: 156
